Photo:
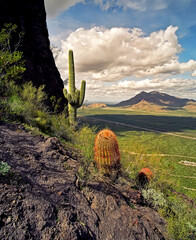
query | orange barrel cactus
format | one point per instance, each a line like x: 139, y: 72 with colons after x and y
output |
x: 145, y: 175
x: 106, y: 149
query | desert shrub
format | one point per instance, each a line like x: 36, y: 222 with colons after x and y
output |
x: 11, y: 60
x: 133, y: 163
x: 60, y: 127
x: 11, y: 63
x: 84, y: 140
x: 178, y: 213
x: 154, y: 197
x: 179, y: 227
x: 27, y: 103
x: 158, y: 193
x: 180, y: 217
x: 4, y: 168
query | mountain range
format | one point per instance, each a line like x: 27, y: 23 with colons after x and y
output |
x: 156, y: 98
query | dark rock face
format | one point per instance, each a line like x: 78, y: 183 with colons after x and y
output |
x: 30, y: 17
x: 43, y: 199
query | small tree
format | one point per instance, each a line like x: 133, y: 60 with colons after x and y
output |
x: 11, y: 62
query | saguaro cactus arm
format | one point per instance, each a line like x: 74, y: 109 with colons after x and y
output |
x: 82, y: 92
x: 67, y: 95
x: 71, y: 74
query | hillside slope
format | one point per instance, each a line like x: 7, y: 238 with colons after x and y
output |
x: 147, y: 106
x: 41, y: 199
x: 161, y: 99
x: 97, y: 105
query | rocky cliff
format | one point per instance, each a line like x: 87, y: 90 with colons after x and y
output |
x: 43, y: 199
x: 30, y: 17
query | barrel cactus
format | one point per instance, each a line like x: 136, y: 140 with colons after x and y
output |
x: 75, y: 97
x: 107, y: 155
x: 145, y: 175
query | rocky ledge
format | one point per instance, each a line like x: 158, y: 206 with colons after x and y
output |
x: 40, y: 198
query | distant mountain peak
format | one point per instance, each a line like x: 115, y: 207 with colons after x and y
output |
x: 154, y: 92
x: 155, y: 97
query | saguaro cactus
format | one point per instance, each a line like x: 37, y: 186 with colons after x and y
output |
x: 75, y: 97
x: 106, y: 149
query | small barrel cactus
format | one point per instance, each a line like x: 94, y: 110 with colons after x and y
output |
x: 145, y: 175
x: 107, y: 155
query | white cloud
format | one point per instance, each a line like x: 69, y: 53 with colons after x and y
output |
x: 159, y: 4
x: 139, y: 5
x: 124, y: 90
x: 157, y: 83
x: 104, y: 4
x: 53, y: 7
x: 194, y: 74
x: 109, y: 55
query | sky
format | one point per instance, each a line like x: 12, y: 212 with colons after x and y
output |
x: 123, y: 47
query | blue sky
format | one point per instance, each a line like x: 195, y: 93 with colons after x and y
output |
x: 122, y: 47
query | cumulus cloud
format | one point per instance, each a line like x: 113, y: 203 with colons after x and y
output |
x: 157, y: 83
x: 109, y: 55
x: 126, y: 89
x: 53, y: 7
x: 194, y: 74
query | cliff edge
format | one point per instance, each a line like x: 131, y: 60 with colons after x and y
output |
x: 40, y: 198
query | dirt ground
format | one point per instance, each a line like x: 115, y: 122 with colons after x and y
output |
x: 40, y: 198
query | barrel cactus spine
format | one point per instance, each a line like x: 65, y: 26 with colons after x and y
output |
x: 75, y: 97
x: 107, y: 155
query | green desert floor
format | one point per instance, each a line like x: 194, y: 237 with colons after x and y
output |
x: 165, y: 139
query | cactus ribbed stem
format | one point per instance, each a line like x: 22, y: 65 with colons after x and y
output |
x: 75, y: 97
x: 82, y: 92
x: 72, y: 114
x: 106, y: 148
x: 71, y: 74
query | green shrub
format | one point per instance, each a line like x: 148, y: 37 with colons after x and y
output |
x: 27, y: 103
x: 180, y: 217
x: 154, y: 197
x: 4, y: 168
x: 133, y: 163
x: 11, y: 61
x: 84, y: 140
x: 60, y: 127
